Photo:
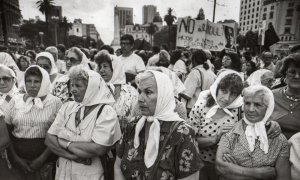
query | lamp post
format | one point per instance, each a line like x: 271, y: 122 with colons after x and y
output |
x: 55, y: 20
x: 41, y: 35
x: 84, y: 39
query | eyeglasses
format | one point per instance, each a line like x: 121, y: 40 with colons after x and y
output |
x: 5, y: 79
x: 293, y: 73
x: 72, y: 60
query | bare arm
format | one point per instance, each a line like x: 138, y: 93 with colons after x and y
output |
x: 283, y: 168
x: 231, y: 170
x: 117, y: 169
x: 52, y: 143
x: 194, y: 176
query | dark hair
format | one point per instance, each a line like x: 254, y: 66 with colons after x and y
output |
x: 33, y: 71
x: 155, y: 49
x: 290, y: 59
x: 102, y: 57
x: 295, y: 48
x: 236, y: 63
x: 128, y: 37
x: 144, y: 56
x: 108, y: 48
x: 61, y: 47
x: 175, y: 56
x: 165, y: 47
x: 247, y: 56
x: 86, y: 52
x: 18, y: 61
x: 199, y: 57
x: 253, y: 67
x: 232, y: 83
x: 32, y: 53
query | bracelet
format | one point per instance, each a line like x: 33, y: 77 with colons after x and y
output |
x: 68, y: 144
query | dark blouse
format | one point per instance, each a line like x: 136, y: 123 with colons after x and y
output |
x: 179, y: 160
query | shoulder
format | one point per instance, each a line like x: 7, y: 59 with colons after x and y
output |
x: 135, y: 57
x: 63, y: 79
x: 277, y: 92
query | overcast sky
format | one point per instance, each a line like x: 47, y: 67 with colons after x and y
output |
x: 101, y: 12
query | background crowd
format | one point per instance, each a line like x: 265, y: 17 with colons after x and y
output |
x: 183, y: 114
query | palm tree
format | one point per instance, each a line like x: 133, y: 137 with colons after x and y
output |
x: 44, y: 7
x: 169, y: 19
x: 151, y: 30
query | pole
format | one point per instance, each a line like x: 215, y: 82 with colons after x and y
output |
x: 4, y: 25
x: 55, y: 26
x: 214, y: 13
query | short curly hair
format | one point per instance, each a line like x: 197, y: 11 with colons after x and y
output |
x: 79, y: 72
x: 290, y: 59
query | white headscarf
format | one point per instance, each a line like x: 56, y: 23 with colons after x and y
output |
x: 255, y: 77
x: 164, y: 111
x: 96, y: 93
x: 14, y: 89
x: 258, y: 130
x: 43, y: 91
x: 49, y: 56
x: 213, y: 91
x: 177, y: 83
x: 7, y: 60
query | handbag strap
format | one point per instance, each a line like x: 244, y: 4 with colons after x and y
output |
x: 174, y: 126
x: 201, y: 77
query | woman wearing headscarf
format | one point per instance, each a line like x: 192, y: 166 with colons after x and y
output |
x: 84, y: 129
x: 46, y: 61
x: 159, y: 144
x: 199, y: 79
x: 61, y: 88
x: 28, y: 123
x: 113, y: 73
x: 261, y: 77
x: 215, y: 113
x: 246, y: 152
x: 7, y: 60
x: 60, y: 64
x: 287, y: 98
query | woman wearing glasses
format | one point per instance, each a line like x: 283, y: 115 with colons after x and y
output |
x: 287, y: 99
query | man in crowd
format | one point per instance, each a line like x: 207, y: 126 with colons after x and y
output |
x: 267, y: 58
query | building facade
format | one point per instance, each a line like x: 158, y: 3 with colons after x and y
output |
x: 250, y: 11
x: 84, y: 30
x: 149, y: 12
x: 125, y: 16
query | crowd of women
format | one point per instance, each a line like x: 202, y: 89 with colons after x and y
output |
x: 70, y: 115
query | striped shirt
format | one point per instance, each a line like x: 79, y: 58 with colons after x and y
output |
x: 36, y: 122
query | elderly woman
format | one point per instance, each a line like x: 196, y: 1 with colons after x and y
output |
x: 60, y: 64
x: 158, y: 145
x: 287, y: 99
x: 61, y: 88
x: 246, y: 152
x: 261, y: 77
x: 46, y: 61
x: 84, y: 129
x: 126, y: 96
x: 28, y: 123
x: 199, y: 79
x: 215, y: 113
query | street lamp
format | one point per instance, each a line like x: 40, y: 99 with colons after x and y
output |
x: 55, y: 20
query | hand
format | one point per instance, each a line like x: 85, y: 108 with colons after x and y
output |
x: 37, y: 163
x: 222, y: 130
x: 228, y: 158
x: 62, y: 143
x: 274, y: 129
x: 24, y: 165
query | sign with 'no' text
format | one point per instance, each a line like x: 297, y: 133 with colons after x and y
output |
x: 200, y: 34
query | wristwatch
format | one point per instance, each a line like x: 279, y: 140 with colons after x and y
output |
x: 68, y: 144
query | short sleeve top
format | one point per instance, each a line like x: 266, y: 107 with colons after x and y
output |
x: 180, y: 158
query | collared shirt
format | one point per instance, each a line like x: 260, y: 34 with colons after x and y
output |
x: 133, y: 64
x: 236, y: 141
x: 179, y: 160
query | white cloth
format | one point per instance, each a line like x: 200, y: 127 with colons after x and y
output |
x: 153, y: 60
x: 133, y: 64
x: 14, y: 90
x: 164, y: 111
x: 118, y: 76
x: 36, y: 101
x: 49, y: 56
x: 7, y: 60
x: 213, y: 91
x: 258, y: 130
x: 294, y: 142
x: 255, y: 77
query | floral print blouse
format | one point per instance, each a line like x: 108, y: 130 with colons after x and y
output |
x: 61, y: 89
x: 180, y: 158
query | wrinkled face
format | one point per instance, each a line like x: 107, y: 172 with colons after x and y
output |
x: 225, y: 97
x: 44, y: 63
x: 105, y: 71
x: 226, y: 61
x: 23, y: 64
x: 78, y: 89
x: 72, y: 59
x: 147, y: 96
x: 126, y: 46
x: 254, y: 108
x: 293, y: 77
x: 33, y: 85
x: 6, y: 81
x: 267, y: 79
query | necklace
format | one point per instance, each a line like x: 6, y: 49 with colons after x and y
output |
x: 290, y: 97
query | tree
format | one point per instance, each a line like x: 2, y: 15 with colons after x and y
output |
x: 252, y: 41
x: 201, y: 15
x: 44, y: 7
x: 64, y: 28
x: 151, y: 30
x: 161, y: 37
x: 169, y: 18
x: 75, y: 41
